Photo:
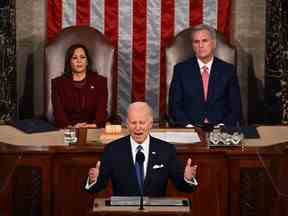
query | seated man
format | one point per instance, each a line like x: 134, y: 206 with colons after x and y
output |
x: 204, y: 89
x: 121, y: 158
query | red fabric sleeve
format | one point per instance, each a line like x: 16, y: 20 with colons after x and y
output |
x: 60, y: 117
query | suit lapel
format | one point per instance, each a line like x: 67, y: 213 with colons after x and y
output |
x: 196, y: 78
x: 212, y: 80
x: 129, y: 153
x: 131, y: 177
x: 153, y: 154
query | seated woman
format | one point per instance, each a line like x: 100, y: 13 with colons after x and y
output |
x: 79, y: 96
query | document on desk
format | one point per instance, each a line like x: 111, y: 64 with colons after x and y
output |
x: 179, y: 137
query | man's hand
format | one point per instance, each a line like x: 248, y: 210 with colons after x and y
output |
x: 190, y: 171
x: 94, y: 173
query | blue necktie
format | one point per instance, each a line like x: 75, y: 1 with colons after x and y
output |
x: 139, y: 160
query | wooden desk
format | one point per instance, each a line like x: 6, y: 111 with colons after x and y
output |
x: 48, y: 180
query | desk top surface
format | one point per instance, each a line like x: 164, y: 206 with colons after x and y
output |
x: 269, y: 135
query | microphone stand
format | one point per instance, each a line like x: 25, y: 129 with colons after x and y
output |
x: 141, y: 207
x: 140, y: 160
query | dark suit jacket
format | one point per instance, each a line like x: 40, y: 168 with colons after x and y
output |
x: 117, y: 165
x: 73, y: 105
x: 186, y: 97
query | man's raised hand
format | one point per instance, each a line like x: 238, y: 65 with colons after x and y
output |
x: 94, y: 173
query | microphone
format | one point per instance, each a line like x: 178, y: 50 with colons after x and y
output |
x: 140, y: 158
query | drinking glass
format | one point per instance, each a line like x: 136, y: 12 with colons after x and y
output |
x: 70, y: 136
x: 237, y: 137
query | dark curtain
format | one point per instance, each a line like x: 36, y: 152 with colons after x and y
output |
x: 7, y: 60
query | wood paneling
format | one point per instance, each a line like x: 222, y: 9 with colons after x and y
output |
x: 231, y: 181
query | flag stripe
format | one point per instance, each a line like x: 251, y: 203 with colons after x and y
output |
x: 69, y: 13
x: 111, y: 32
x: 224, y: 12
x: 140, y: 31
x: 139, y: 50
x: 167, y: 33
x: 124, y: 57
x: 97, y: 15
x: 181, y: 15
x: 153, y: 54
x: 54, y: 18
x: 82, y: 14
x: 210, y: 8
x: 111, y: 20
x: 196, y: 12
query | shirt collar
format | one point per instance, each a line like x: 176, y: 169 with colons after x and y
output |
x: 145, y: 145
x: 209, y: 64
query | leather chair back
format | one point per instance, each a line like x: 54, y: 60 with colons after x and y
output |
x: 101, y: 52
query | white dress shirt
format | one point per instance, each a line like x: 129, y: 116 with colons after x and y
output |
x: 208, y: 65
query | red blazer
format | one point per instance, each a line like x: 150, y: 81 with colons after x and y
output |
x: 73, y: 105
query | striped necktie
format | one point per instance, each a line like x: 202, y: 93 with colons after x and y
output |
x: 139, y: 166
x: 205, y: 80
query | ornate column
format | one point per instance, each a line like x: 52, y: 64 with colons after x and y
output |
x: 7, y: 60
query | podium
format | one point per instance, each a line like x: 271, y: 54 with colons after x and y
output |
x: 100, y: 208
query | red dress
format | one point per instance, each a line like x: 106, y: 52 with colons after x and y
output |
x: 79, y: 101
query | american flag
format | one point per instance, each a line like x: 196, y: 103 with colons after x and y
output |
x: 140, y: 30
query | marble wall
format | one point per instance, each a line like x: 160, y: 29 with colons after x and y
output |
x: 276, y: 76
x: 7, y: 61
x: 248, y: 24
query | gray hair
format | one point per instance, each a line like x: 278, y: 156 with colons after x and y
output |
x: 202, y: 27
x: 143, y: 106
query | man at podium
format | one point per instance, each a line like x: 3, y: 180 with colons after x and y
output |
x: 139, y: 164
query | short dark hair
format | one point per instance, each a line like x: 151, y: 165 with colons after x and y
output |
x: 69, y: 53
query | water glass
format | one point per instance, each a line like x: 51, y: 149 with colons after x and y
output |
x: 70, y: 136
x: 237, y: 137
x: 214, y: 137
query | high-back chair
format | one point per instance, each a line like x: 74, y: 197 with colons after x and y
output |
x: 180, y: 49
x: 99, y: 48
